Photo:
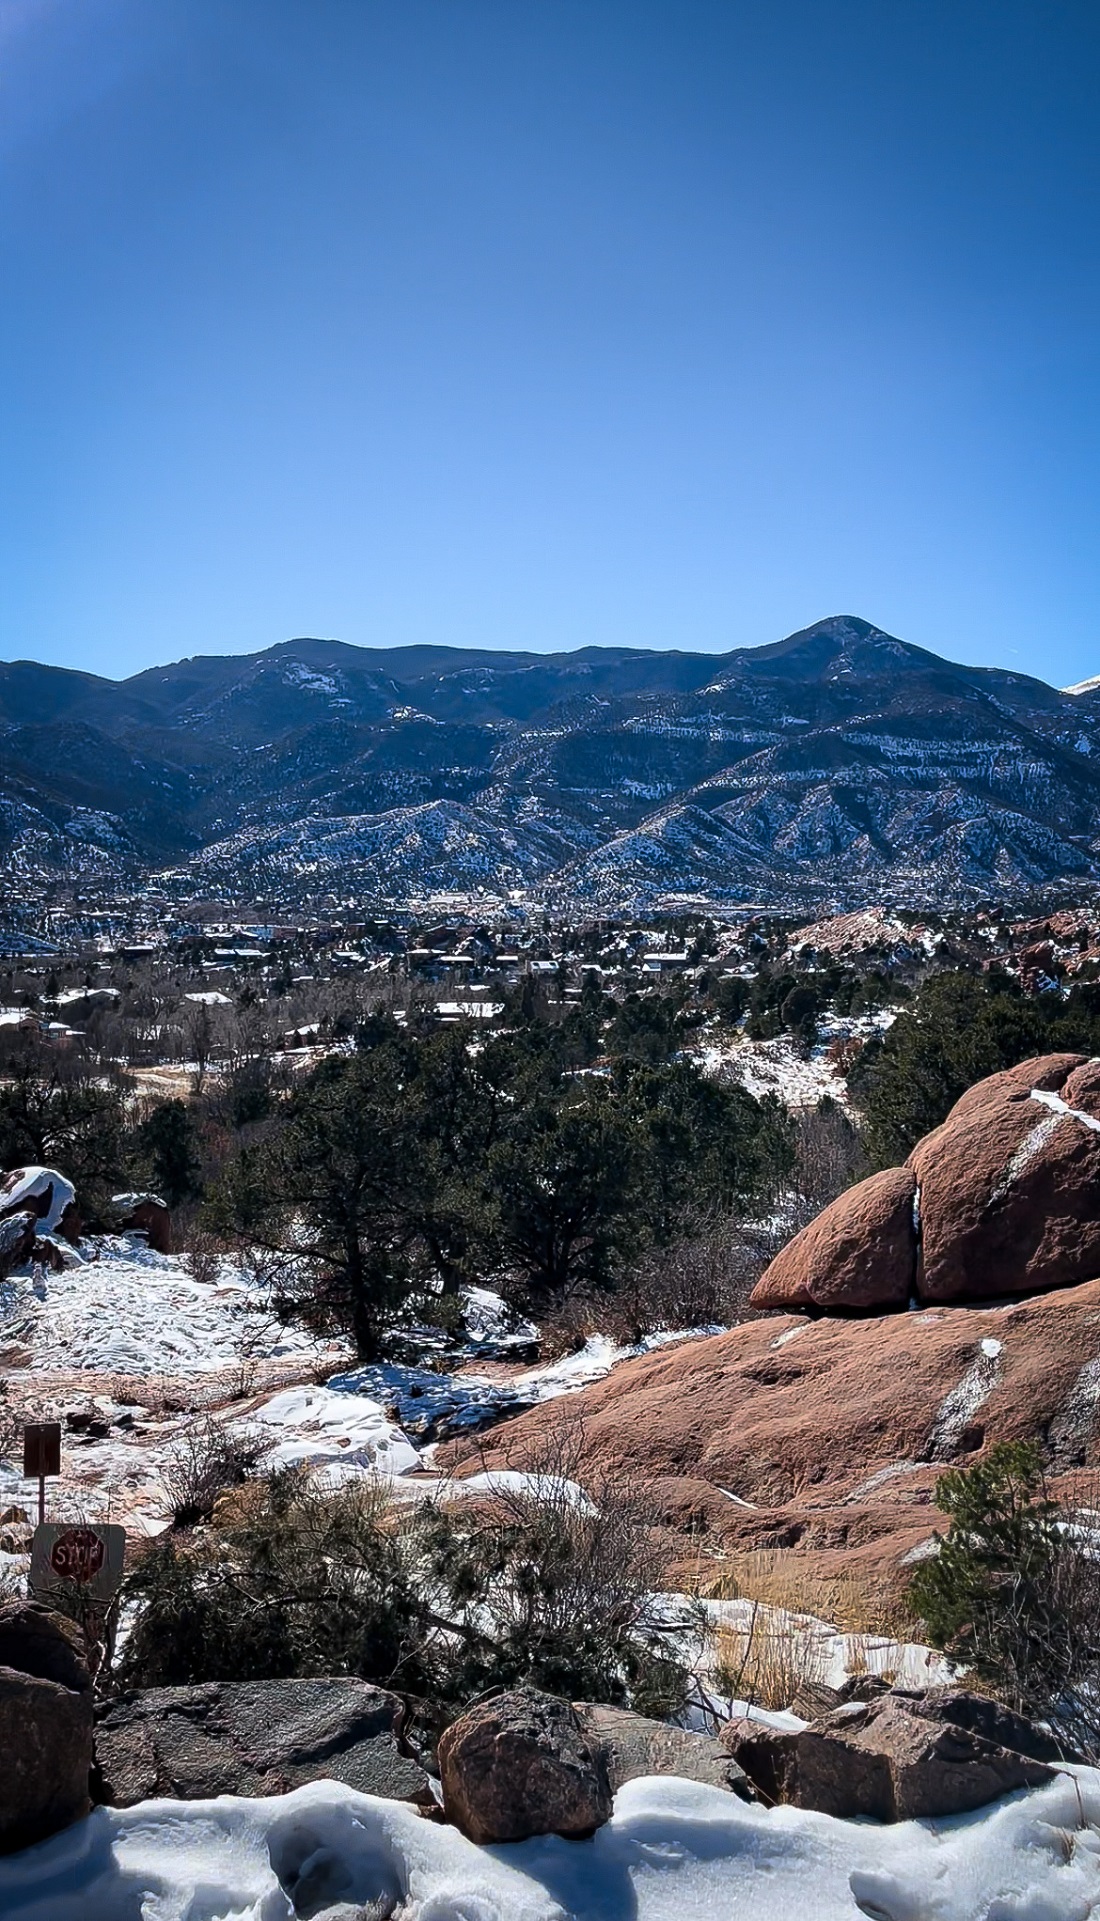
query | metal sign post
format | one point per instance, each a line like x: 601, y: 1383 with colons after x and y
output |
x: 41, y: 1457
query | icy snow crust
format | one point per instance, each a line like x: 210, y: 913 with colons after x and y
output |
x: 435, y: 1406
x: 673, y: 1851
x: 340, y: 1436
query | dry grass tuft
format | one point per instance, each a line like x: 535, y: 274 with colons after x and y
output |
x: 769, y: 1660
x: 782, y: 1578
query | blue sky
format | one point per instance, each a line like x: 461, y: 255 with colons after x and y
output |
x: 548, y: 323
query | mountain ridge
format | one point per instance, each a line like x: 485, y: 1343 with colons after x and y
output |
x: 837, y: 763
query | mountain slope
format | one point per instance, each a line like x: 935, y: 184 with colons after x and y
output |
x: 839, y: 764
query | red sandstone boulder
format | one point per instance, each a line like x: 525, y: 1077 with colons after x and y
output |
x: 860, y: 1252
x: 1009, y: 1184
x: 1005, y: 1194
x: 146, y: 1214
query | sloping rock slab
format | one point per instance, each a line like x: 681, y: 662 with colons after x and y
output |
x: 781, y: 1410
x: 636, y: 1746
x: 254, y: 1738
x: 860, y: 1252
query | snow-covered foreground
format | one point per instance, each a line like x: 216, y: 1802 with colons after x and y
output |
x: 673, y: 1851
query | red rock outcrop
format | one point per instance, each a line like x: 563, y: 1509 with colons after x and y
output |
x: 861, y: 1252
x: 1009, y: 1185
x: 1006, y: 1193
x: 827, y: 1436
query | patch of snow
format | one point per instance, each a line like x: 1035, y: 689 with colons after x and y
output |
x: 1071, y: 1429
x: 924, y: 1551
x: 827, y: 1653
x: 673, y: 1851
x: 790, y: 1334
x: 553, y: 1488
x: 29, y: 1184
x: 343, y: 1436
x: 128, y: 1310
x: 1058, y: 1106
x: 489, y: 1322
x: 1031, y: 1145
x: 434, y: 1406
x: 958, y: 1408
x: 880, y: 1477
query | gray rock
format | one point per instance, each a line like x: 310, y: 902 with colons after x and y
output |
x: 253, y: 1738
x: 45, y: 1758
x: 636, y: 1746
x: 17, y: 1233
x: 36, y: 1640
x: 979, y: 1715
x: 883, y: 1759
x: 521, y: 1764
x: 45, y: 1725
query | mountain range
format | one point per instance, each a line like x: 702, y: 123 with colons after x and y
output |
x: 837, y: 766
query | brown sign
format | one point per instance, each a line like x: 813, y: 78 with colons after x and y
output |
x: 41, y: 1449
x: 68, y: 1554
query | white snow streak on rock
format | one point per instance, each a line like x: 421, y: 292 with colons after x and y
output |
x: 958, y: 1408
x: 1031, y: 1145
x: 1058, y: 1106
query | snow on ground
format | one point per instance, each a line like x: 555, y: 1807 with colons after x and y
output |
x: 780, y: 1067
x: 127, y: 1310
x: 673, y: 1851
x: 434, y: 1406
x: 775, y: 1067
x: 827, y: 1654
x: 552, y: 1488
x: 342, y: 1436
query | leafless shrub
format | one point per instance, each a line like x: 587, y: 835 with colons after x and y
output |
x: 702, y: 1279
x: 829, y: 1158
x: 557, y: 1578
x: 203, y: 1256
x: 829, y: 1153
x: 208, y: 1459
x: 10, y: 1426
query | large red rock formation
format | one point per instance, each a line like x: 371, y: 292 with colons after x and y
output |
x: 861, y: 1252
x: 1006, y: 1203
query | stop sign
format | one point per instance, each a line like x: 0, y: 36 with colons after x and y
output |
x: 77, y: 1554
